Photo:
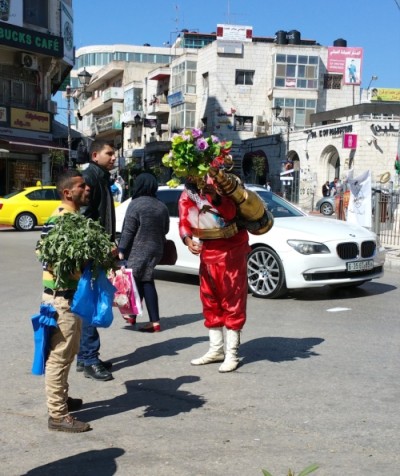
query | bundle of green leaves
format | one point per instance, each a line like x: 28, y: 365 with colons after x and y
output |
x: 72, y: 243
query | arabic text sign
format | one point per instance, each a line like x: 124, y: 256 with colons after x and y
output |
x: 346, y: 61
x: 31, y: 120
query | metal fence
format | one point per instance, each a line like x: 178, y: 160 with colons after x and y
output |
x: 385, y: 214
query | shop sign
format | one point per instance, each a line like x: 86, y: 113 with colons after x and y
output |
x: 3, y: 115
x: 335, y: 131
x: 30, y: 40
x: 67, y: 30
x: 31, y: 120
x: 175, y: 99
x: 386, y: 129
x: 349, y: 141
x: 234, y: 33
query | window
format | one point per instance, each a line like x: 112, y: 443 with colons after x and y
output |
x: 299, y: 110
x: 183, y: 77
x: 296, y: 71
x: 333, y: 81
x: 170, y: 198
x: 243, y: 123
x: 36, y: 12
x: 244, y: 77
x: 183, y: 116
x: 43, y: 194
x: 133, y: 99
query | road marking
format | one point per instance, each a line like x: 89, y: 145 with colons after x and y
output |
x: 339, y: 309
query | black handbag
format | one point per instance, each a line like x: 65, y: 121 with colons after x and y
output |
x: 170, y: 254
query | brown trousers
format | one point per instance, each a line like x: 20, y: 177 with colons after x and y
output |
x: 64, y: 345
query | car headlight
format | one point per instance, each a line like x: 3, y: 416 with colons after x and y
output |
x: 308, y: 247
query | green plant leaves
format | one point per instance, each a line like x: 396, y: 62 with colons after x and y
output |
x: 72, y: 243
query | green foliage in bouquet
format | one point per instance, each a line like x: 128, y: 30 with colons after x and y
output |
x: 192, y: 155
x: 72, y: 243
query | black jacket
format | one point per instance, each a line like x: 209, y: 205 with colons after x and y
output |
x: 101, y: 204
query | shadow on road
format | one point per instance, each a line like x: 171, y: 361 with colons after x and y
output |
x: 89, y: 463
x: 373, y: 288
x: 159, y: 397
x: 279, y: 349
x: 150, y: 352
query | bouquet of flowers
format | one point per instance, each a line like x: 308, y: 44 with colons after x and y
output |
x: 192, y: 155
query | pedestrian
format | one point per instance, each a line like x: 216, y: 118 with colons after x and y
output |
x: 223, y: 267
x: 64, y: 340
x: 142, y: 243
x: 325, y: 189
x: 116, y: 191
x: 268, y: 186
x: 100, y: 208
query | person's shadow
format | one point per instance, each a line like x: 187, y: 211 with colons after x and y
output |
x: 279, y: 349
x: 160, y: 397
x: 150, y: 352
x: 102, y: 462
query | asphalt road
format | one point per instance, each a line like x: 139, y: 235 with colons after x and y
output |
x: 318, y: 383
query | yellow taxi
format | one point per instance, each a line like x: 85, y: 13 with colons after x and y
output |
x: 30, y: 207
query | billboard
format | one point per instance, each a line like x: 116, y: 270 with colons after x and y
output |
x: 346, y: 61
x: 385, y: 94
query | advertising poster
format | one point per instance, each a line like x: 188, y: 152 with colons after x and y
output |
x: 67, y: 32
x: 117, y: 110
x: 385, y: 94
x: 11, y: 12
x: 360, y: 205
x: 346, y: 61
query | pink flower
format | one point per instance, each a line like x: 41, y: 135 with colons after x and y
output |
x: 196, y: 133
x: 201, y: 144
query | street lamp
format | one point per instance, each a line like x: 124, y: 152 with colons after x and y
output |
x: 84, y: 78
x: 277, y: 111
x: 373, y: 78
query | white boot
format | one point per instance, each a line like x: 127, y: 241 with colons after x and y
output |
x: 216, y: 351
x: 231, y: 361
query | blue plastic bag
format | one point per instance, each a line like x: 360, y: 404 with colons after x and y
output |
x: 42, y: 324
x: 93, y: 299
x: 84, y: 302
x: 103, y: 316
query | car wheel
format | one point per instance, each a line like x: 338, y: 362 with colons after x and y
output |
x: 265, y: 273
x: 326, y: 208
x: 25, y: 222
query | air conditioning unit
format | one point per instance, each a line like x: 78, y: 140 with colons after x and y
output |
x: 261, y: 120
x: 52, y: 107
x: 29, y: 61
x: 261, y: 130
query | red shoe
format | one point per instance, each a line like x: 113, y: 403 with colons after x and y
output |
x: 129, y: 319
x: 150, y: 328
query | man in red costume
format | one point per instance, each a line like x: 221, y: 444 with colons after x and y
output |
x: 223, y: 251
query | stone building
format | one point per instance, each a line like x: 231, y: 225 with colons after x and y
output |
x: 36, y: 50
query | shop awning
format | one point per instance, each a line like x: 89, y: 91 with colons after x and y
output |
x: 26, y: 143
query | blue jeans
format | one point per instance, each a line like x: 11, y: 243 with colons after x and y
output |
x: 89, y: 345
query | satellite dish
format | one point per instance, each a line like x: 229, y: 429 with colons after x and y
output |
x: 385, y: 177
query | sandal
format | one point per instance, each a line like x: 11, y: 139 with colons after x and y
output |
x: 151, y: 328
x: 129, y: 319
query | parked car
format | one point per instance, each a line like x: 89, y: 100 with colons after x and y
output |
x: 300, y: 251
x: 27, y: 208
x: 326, y: 205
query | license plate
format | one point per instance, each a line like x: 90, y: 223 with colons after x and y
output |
x: 364, y: 265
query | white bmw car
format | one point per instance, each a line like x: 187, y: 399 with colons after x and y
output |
x: 300, y: 251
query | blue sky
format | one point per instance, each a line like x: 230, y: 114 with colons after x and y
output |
x: 373, y: 25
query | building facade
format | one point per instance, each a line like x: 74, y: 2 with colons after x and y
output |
x: 292, y: 108
x: 36, y: 50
